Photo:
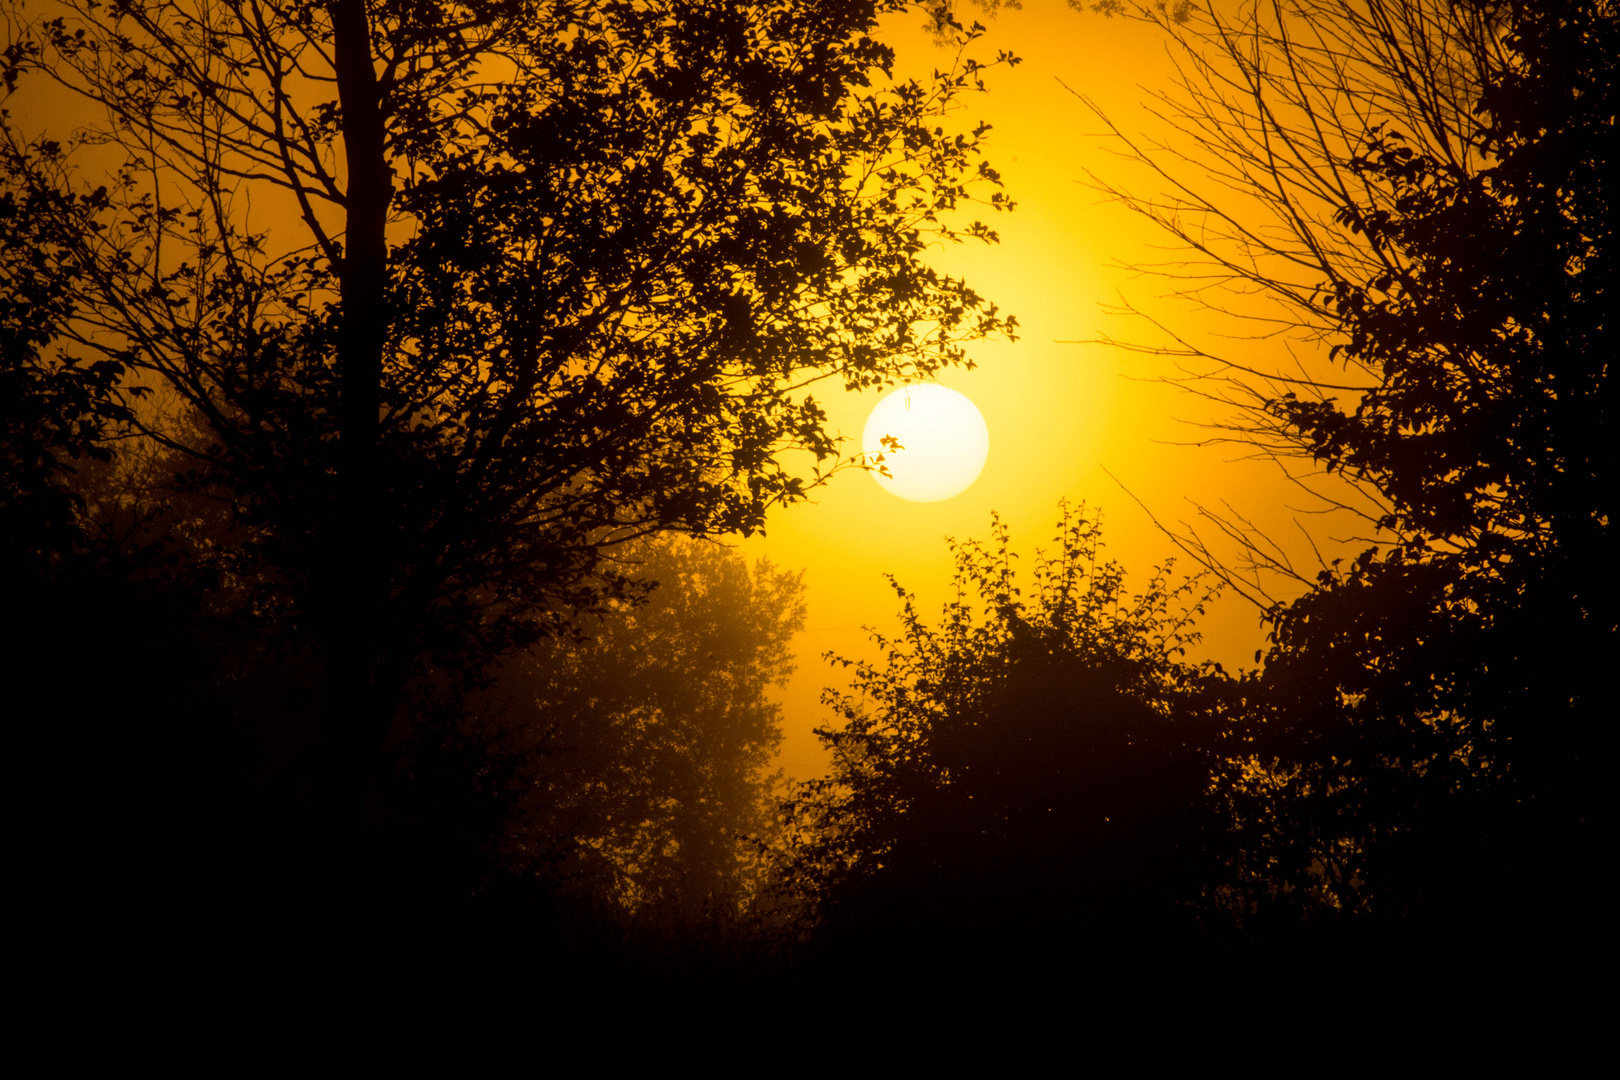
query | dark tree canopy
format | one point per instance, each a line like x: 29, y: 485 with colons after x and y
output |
x: 57, y: 411
x: 1422, y: 188
x: 444, y: 299
x: 1029, y: 774
x: 1486, y: 329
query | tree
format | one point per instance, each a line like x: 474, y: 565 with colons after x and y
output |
x: 1421, y: 188
x: 619, y: 779
x: 654, y: 734
x: 451, y: 297
x: 1030, y: 774
x: 58, y: 411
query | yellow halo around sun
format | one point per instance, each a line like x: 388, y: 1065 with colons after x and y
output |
x: 943, y: 441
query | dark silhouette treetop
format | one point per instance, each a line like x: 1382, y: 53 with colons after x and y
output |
x: 448, y: 296
x: 57, y: 411
x: 1035, y: 765
x: 1421, y: 186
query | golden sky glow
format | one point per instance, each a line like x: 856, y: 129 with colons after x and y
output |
x: 1068, y: 420
x: 1075, y: 421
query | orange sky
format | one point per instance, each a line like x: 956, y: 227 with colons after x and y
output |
x: 1061, y: 416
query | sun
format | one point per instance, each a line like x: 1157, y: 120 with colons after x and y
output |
x: 943, y: 442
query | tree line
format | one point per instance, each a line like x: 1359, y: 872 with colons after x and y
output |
x: 355, y: 411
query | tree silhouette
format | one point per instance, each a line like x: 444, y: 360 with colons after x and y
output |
x: 655, y: 734
x: 1422, y: 188
x: 1030, y: 774
x: 444, y: 299
x: 58, y: 411
x: 618, y: 779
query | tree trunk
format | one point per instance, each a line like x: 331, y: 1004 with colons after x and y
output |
x: 354, y: 590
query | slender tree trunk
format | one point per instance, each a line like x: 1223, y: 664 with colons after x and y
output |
x: 355, y: 588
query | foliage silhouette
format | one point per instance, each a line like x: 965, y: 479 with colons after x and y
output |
x: 57, y: 411
x: 1031, y: 773
x: 618, y: 779
x: 1421, y: 186
x: 449, y: 298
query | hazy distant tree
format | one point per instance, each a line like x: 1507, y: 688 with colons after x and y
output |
x: 654, y: 734
x: 462, y: 292
x: 1030, y: 773
x: 1421, y: 186
x: 622, y: 778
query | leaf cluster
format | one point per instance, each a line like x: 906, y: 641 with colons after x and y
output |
x: 1032, y: 762
x: 60, y: 409
x: 1422, y: 189
x: 624, y: 241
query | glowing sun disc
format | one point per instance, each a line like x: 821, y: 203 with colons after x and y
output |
x: 944, y: 439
